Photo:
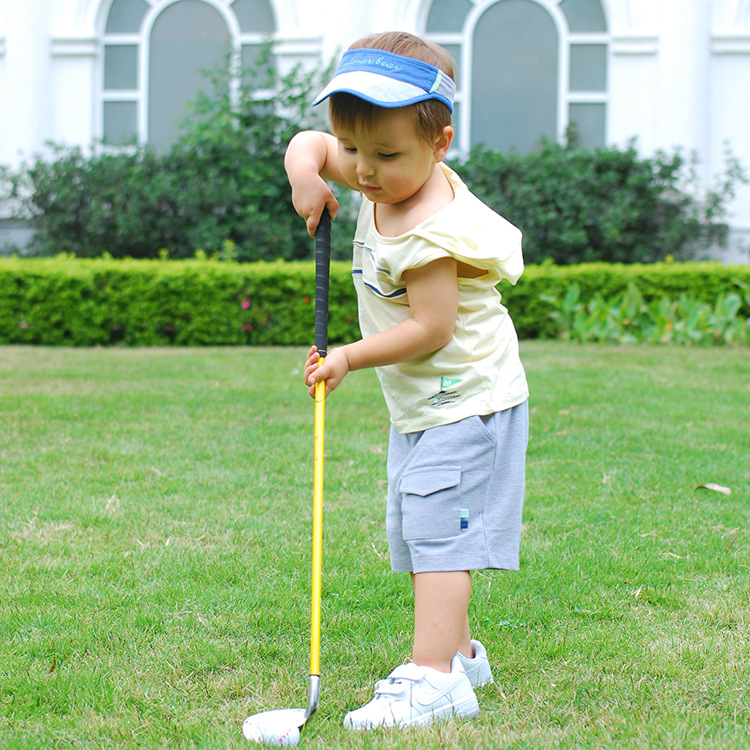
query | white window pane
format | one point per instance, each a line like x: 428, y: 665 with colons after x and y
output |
x: 514, y: 71
x: 447, y: 15
x: 126, y: 16
x: 589, y: 121
x: 584, y: 15
x: 254, y: 15
x: 454, y: 50
x: 456, y: 123
x: 120, y: 67
x: 255, y: 67
x: 588, y: 67
x: 188, y: 37
x: 120, y: 123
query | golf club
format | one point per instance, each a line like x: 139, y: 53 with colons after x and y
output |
x: 282, y: 727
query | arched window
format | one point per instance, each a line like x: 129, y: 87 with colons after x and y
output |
x: 154, y: 55
x: 527, y: 69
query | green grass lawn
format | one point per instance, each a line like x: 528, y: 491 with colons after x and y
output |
x: 155, y: 512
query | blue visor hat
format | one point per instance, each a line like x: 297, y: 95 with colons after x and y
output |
x: 389, y: 80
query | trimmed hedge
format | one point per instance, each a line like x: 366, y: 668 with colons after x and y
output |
x: 86, y: 302
x: 702, y: 282
x: 82, y: 302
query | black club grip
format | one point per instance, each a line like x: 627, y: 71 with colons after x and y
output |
x: 322, y: 276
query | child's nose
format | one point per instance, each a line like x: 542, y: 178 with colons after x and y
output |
x: 364, y: 167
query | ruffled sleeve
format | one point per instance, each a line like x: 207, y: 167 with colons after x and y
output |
x: 467, y: 230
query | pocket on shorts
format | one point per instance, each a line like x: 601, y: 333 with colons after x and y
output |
x: 430, y: 502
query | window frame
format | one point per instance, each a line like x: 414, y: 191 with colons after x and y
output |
x: 566, y: 96
x: 142, y: 40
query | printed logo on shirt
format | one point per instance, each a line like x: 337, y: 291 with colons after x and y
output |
x: 445, y: 396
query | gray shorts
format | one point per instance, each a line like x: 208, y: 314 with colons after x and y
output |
x: 455, y: 494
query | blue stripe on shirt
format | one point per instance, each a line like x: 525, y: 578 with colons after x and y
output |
x: 397, y: 293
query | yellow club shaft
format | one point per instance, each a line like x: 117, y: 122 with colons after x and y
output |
x: 317, y: 530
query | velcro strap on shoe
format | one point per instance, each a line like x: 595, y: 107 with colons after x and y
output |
x: 410, y: 672
x: 398, y: 680
x: 390, y: 688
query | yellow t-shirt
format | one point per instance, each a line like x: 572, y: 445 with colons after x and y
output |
x: 479, y: 371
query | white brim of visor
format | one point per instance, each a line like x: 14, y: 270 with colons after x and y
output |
x: 380, y: 90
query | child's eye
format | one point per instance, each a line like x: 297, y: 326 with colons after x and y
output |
x: 388, y: 156
x: 350, y: 149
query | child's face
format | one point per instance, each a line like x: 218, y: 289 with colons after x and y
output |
x: 390, y: 161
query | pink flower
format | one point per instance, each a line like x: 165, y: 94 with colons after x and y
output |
x: 248, y: 327
x: 245, y: 304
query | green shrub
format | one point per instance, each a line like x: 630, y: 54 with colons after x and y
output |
x: 221, y: 188
x: 530, y: 300
x: 628, y: 318
x: 577, y: 206
x: 229, y: 163
x: 86, y: 205
x: 85, y: 302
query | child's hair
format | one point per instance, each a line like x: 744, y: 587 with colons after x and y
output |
x: 430, y: 117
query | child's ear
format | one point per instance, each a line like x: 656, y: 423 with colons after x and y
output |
x: 443, y: 142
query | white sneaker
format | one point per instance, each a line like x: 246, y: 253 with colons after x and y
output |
x: 477, y: 669
x: 413, y: 695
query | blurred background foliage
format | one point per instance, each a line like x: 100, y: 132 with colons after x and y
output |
x: 221, y: 190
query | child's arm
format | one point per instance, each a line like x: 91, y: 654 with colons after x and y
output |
x: 311, y: 159
x: 433, y: 301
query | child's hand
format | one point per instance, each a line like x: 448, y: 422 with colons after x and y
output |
x: 334, y: 369
x: 309, y: 197
x: 312, y: 158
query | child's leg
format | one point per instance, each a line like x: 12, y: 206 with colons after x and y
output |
x: 441, y: 618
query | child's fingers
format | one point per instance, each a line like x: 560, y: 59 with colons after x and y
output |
x: 318, y: 372
x: 316, y: 375
x: 330, y: 386
x: 311, y: 364
x: 313, y: 219
x: 309, y: 380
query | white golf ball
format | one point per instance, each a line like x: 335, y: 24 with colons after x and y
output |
x: 270, y: 735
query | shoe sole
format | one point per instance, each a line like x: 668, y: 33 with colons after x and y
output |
x: 466, y: 709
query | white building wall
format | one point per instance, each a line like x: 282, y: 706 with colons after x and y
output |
x: 679, y: 73
x: 26, y: 109
x: 681, y: 104
x: 729, y: 112
x: 678, y: 70
x: 4, y: 93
